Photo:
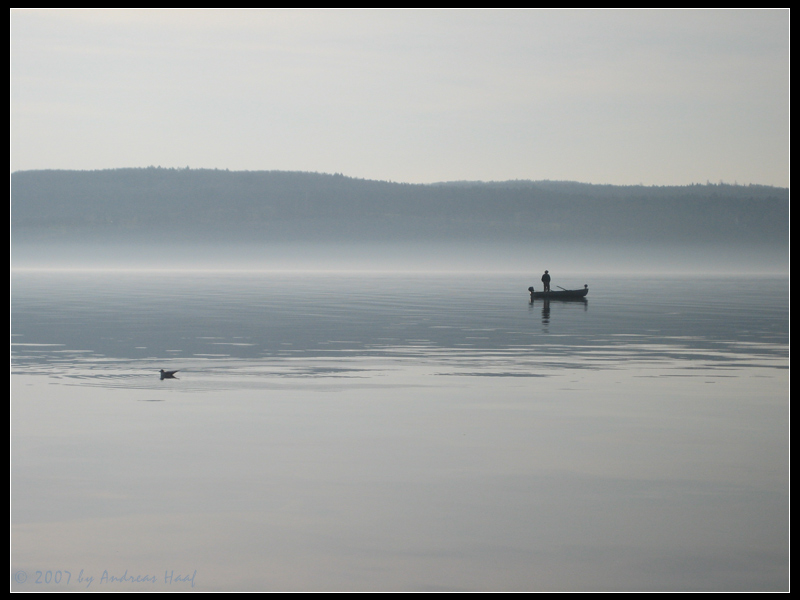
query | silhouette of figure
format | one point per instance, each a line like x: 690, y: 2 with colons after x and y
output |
x: 546, y: 281
x: 168, y: 374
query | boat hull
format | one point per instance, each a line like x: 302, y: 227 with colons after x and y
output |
x: 559, y: 294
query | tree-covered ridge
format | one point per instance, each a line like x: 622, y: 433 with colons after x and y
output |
x: 256, y: 205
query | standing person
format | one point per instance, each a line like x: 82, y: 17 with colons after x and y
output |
x: 546, y: 281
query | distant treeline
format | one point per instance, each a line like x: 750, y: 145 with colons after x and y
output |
x: 183, y: 204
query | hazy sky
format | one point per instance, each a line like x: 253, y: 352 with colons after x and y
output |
x: 624, y: 97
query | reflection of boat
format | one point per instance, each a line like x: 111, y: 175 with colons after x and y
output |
x: 561, y: 294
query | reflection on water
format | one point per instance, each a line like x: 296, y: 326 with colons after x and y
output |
x: 545, y: 307
x: 338, y: 432
x: 111, y: 327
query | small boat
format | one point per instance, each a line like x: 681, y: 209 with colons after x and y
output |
x: 561, y: 294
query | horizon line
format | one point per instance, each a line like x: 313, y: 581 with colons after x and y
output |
x: 708, y: 183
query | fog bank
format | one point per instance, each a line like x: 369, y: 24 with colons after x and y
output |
x: 431, y: 257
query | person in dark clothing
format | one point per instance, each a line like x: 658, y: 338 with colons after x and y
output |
x: 546, y: 281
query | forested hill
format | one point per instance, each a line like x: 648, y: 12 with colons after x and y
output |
x: 185, y: 204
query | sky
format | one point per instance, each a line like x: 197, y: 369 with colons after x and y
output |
x: 627, y: 97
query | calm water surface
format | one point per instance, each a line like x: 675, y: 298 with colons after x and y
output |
x: 397, y: 433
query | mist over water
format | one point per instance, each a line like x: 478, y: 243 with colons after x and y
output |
x: 571, y: 256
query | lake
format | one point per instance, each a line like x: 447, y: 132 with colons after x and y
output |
x: 397, y: 432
